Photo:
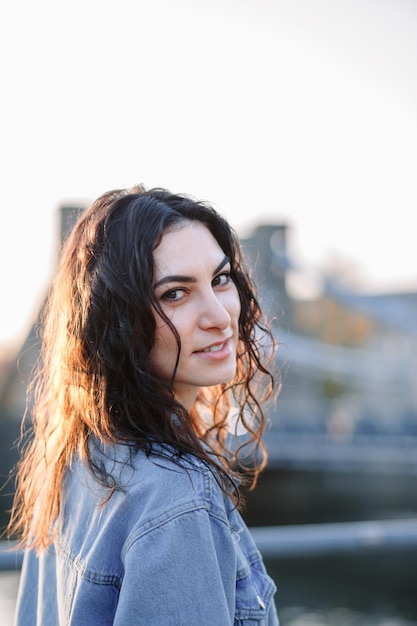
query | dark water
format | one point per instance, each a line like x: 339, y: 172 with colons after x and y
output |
x: 300, y: 616
x: 378, y: 588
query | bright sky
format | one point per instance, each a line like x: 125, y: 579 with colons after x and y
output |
x: 303, y: 111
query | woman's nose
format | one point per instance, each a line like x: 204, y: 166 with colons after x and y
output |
x: 214, y: 314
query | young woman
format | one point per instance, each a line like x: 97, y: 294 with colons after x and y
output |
x: 128, y: 489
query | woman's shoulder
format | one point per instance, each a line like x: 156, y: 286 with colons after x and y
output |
x: 144, y: 493
x: 144, y: 483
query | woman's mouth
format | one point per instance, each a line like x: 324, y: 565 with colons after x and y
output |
x: 217, y: 351
x: 215, y: 348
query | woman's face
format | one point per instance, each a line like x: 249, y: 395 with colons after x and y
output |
x: 193, y: 286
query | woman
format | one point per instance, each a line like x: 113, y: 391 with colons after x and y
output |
x: 127, y: 493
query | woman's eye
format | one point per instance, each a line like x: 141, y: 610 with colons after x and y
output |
x: 173, y: 295
x: 222, y: 279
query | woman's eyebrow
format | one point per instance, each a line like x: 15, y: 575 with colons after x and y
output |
x: 174, y: 278
x: 221, y: 265
x: 181, y: 278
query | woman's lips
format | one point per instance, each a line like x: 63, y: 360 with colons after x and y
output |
x: 216, y: 350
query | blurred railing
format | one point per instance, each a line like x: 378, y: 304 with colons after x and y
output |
x: 323, y: 539
x: 303, y: 540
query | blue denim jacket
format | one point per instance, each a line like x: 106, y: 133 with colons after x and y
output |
x: 168, y: 548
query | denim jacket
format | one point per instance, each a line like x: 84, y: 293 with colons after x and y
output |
x: 167, y: 549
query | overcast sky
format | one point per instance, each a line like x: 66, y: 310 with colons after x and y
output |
x: 296, y: 111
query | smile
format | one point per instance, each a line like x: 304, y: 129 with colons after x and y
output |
x: 217, y: 348
x: 217, y: 351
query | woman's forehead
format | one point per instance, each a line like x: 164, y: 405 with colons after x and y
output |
x: 185, y: 248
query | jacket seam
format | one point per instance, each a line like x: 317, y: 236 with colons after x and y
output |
x: 87, y: 573
x: 140, y: 533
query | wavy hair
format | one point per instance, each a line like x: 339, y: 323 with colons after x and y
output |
x: 94, y: 383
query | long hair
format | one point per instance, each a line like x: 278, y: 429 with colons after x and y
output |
x: 94, y: 381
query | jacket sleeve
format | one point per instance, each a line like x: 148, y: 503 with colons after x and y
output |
x: 180, y: 571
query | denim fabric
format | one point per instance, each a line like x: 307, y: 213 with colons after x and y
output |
x: 168, y: 548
